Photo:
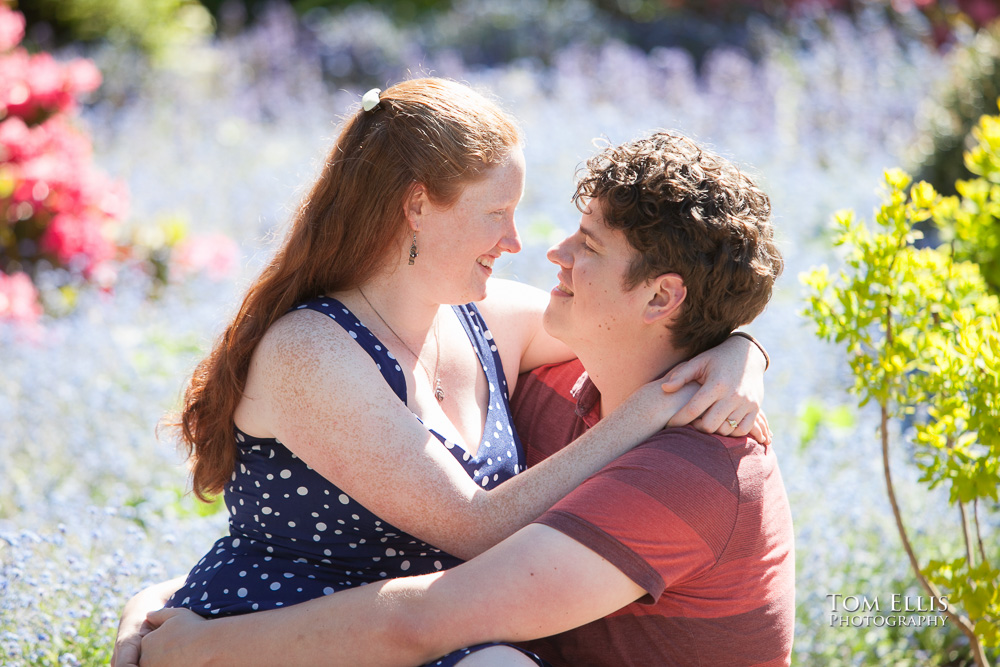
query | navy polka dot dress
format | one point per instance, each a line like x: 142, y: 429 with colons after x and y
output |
x: 294, y: 535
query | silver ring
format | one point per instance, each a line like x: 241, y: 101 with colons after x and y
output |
x: 732, y: 422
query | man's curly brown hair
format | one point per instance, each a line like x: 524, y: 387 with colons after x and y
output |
x: 687, y: 211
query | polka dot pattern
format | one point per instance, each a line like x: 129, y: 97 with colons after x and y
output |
x: 294, y: 536
x: 456, y: 657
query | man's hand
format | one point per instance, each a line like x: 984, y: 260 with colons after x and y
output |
x: 731, y: 376
x: 173, y: 638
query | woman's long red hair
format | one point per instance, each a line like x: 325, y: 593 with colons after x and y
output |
x: 431, y: 131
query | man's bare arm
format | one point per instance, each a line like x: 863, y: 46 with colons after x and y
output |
x: 536, y: 583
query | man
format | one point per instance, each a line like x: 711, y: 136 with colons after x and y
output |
x: 679, y: 552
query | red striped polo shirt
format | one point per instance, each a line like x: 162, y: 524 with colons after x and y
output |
x: 701, y: 522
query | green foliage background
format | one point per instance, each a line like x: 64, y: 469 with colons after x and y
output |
x: 152, y: 26
x: 922, y: 335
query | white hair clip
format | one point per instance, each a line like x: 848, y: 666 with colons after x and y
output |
x: 371, y: 99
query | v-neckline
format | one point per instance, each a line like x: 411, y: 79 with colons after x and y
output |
x: 450, y: 445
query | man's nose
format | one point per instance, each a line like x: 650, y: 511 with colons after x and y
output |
x: 558, y: 254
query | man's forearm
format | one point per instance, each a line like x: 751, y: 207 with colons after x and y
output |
x: 537, y: 583
x: 368, y: 625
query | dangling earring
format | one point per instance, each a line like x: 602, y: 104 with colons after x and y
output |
x: 413, y: 249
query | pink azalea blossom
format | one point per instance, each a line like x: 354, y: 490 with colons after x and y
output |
x: 16, y: 140
x: 213, y: 254
x: 55, y: 183
x: 82, y: 76
x: 11, y: 28
x: 18, y: 299
x: 36, y: 86
x: 78, y: 242
x: 48, y: 180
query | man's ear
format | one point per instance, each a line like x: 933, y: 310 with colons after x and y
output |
x: 667, y: 295
x: 416, y: 204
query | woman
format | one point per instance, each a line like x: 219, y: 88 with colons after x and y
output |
x: 337, y: 475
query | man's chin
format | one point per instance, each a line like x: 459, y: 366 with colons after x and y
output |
x: 551, y: 324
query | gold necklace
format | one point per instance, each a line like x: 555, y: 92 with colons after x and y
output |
x: 438, y: 389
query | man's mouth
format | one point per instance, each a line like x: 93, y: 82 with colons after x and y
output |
x: 564, y: 289
x: 486, y: 261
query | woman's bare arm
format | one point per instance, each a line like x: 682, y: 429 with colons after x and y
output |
x: 322, y: 397
x: 731, y: 375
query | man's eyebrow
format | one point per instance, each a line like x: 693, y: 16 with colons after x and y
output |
x: 590, y: 235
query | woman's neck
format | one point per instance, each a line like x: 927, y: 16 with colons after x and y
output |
x: 399, y: 305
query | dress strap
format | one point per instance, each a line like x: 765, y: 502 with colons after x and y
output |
x: 383, y: 358
x: 482, y: 341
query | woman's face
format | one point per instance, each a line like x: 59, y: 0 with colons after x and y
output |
x: 458, y: 245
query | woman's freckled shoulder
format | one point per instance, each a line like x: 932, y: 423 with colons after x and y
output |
x: 305, y: 339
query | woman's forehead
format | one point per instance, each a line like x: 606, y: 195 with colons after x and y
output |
x: 502, y: 183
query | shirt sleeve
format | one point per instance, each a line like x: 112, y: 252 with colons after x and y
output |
x: 662, y: 513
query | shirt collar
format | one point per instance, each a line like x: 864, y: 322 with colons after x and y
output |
x: 588, y: 400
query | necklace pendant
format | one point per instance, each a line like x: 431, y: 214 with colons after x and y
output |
x: 438, y: 391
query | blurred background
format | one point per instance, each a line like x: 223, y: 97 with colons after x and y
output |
x: 152, y: 151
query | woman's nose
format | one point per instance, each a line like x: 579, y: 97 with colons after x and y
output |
x: 511, y: 241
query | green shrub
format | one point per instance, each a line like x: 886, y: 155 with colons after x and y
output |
x: 970, y: 90
x: 153, y: 26
x: 972, y: 225
x: 922, y: 337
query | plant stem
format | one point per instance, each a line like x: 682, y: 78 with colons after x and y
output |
x: 969, y: 556
x: 979, y: 533
x: 967, y: 535
x: 962, y: 622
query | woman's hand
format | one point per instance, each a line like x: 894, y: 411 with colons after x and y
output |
x: 732, y: 390
x: 128, y: 644
x: 133, y: 627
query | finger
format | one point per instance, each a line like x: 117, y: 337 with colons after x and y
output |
x: 759, y: 431
x: 694, y: 408
x: 681, y: 374
x: 762, y: 419
x: 743, y: 425
x: 718, y: 411
x: 697, y: 424
x: 157, y: 618
x: 126, y: 654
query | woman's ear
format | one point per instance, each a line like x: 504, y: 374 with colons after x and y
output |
x: 668, y: 294
x: 415, y: 205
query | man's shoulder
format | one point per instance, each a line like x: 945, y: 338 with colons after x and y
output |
x: 689, y: 444
x: 685, y: 456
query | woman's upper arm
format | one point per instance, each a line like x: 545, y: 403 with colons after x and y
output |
x: 323, y: 398
x: 513, y: 311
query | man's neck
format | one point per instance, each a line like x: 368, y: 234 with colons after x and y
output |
x: 617, y: 371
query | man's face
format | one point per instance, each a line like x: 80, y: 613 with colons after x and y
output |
x: 590, y: 305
